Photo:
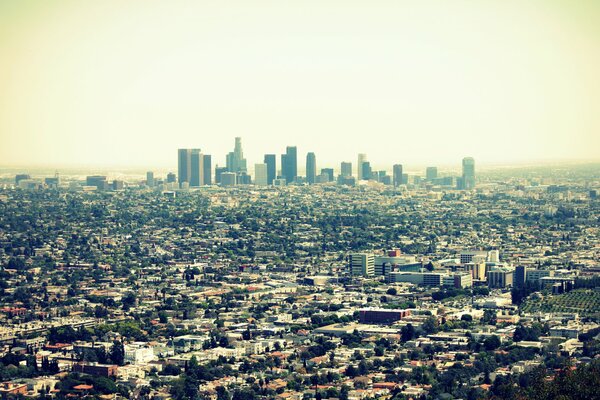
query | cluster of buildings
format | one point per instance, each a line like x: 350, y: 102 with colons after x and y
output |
x: 195, y: 169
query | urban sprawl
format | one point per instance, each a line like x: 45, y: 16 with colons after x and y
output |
x: 218, y: 284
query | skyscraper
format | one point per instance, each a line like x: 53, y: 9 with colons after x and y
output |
x: 150, y: 179
x: 328, y: 172
x: 260, y: 174
x: 311, y: 168
x: 235, y: 159
x: 367, y: 173
x: 468, y: 173
x: 271, y: 161
x: 196, y: 168
x: 290, y: 164
x: 397, y: 179
x: 431, y: 173
x: 346, y: 169
x: 361, y: 159
x: 184, y: 165
x: 206, y: 161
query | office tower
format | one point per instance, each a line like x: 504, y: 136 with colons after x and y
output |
x: 184, y: 165
x: 206, y: 162
x: 228, y: 179
x: 361, y: 159
x: 311, y: 168
x: 283, y: 166
x: 196, y: 167
x: 218, y: 172
x: 520, y: 276
x: 346, y: 169
x: 328, y: 172
x: 235, y: 159
x: 118, y: 185
x: 397, y: 177
x: 271, y: 161
x: 260, y: 175
x: 500, y: 278
x: 98, y: 181
x: 362, y: 264
x: 431, y: 173
x: 53, y: 181
x: 21, y: 177
x: 171, y: 177
x: 468, y: 173
x: 243, y: 178
x: 289, y: 164
x: 366, y: 171
x: 150, y: 179
x: 404, y: 179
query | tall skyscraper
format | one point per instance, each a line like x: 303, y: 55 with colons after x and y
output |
x: 367, y: 173
x: 311, y: 168
x: 289, y: 164
x: 328, y: 172
x: 218, y: 172
x: 206, y: 177
x: 431, y: 173
x: 397, y: 178
x: 184, y: 165
x: 228, y: 179
x: 235, y: 159
x: 361, y: 160
x: 196, y: 168
x: 346, y: 169
x: 468, y: 173
x: 271, y: 161
x: 260, y: 174
x: 150, y: 179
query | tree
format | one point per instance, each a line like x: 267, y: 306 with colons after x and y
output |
x: 430, y: 325
x: 407, y: 332
x: 492, y: 343
x: 392, y: 291
x: 117, y: 353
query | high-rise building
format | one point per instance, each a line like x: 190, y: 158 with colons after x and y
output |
x: 228, y: 179
x: 196, y: 168
x: 362, y: 264
x: 150, y: 179
x: 397, y: 177
x: 271, y: 161
x: 346, y: 169
x: 171, y: 178
x: 289, y: 165
x: 520, y: 276
x: 260, y: 175
x: 311, y: 168
x: 362, y: 158
x: 21, y: 177
x: 366, y: 171
x: 328, y: 173
x: 235, y: 159
x: 99, y: 181
x: 218, y: 172
x: 468, y: 173
x: 184, y: 165
x: 206, y: 176
x: 431, y: 173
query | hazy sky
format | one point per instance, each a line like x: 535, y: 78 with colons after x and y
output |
x: 419, y: 82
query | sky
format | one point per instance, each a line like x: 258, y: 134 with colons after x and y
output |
x: 126, y: 83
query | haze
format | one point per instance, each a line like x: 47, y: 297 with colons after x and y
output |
x: 127, y: 83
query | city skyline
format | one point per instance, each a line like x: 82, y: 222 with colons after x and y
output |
x: 510, y: 83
